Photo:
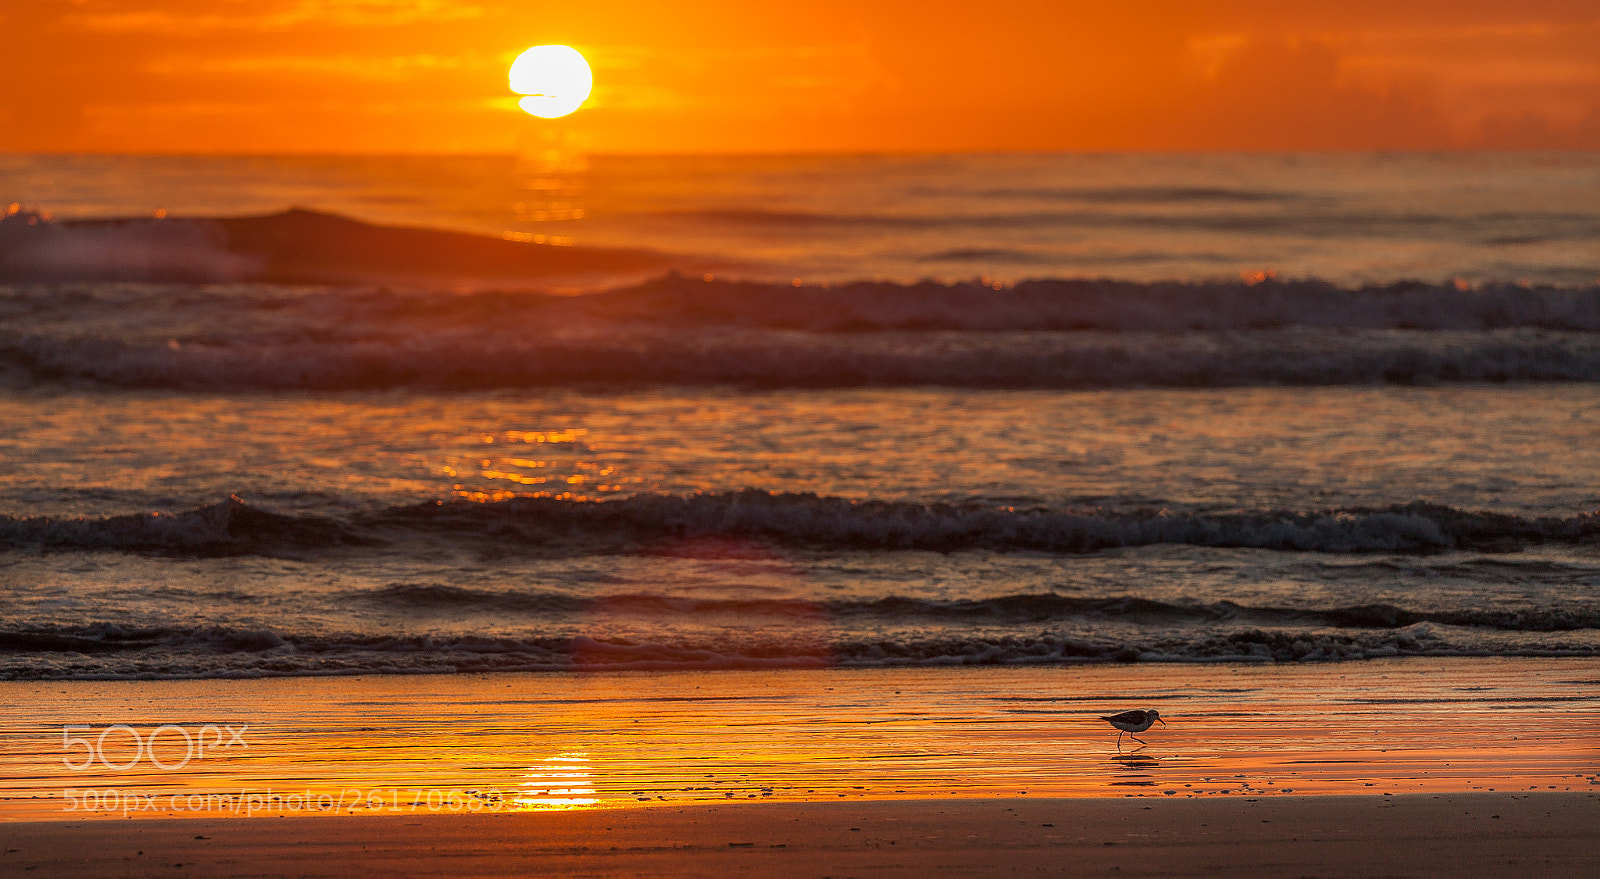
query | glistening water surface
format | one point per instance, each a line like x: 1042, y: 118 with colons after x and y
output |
x: 716, y: 528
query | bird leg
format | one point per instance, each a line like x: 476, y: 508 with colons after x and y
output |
x: 1119, y: 739
x: 1137, y: 739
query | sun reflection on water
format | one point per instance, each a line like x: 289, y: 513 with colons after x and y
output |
x: 560, y: 782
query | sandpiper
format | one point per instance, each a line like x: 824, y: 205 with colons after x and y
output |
x: 1133, y: 721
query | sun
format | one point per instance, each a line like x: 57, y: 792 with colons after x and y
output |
x: 555, y: 79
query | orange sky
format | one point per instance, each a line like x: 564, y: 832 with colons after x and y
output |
x: 404, y: 76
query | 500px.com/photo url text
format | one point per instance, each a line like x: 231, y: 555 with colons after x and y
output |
x: 248, y: 803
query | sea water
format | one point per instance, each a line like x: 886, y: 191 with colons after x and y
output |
x: 1019, y: 410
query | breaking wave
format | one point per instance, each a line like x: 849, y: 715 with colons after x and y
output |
x: 295, y: 247
x: 104, y: 650
x: 665, y: 524
x: 677, y: 330
x: 1059, y: 305
x: 1007, y: 609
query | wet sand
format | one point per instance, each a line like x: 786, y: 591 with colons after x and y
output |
x: 1545, y: 834
x: 451, y: 744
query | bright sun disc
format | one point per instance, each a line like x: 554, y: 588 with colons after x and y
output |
x: 555, y: 79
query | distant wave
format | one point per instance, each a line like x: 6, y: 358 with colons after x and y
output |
x: 359, y: 335
x: 996, y: 254
x: 1037, y: 334
x: 681, y: 303
x: 452, y: 357
x: 1135, y: 194
x: 294, y: 247
x: 659, y: 524
x: 301, y: 246
x: 1176, y: 210
x: 1097, y: 195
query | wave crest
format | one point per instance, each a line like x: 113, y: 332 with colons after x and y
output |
x: 104, y: 651
x: 663, y: 523
x: 1027, y: 608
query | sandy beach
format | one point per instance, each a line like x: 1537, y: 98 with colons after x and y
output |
x: 1547, y: 834
x: 1420, y: 767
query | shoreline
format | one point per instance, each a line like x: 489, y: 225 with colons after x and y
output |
x: 1477, y: 834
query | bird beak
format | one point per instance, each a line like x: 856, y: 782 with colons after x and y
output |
x: 1162, y: 719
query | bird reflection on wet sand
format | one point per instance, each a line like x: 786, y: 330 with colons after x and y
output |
x: 1133, y: 770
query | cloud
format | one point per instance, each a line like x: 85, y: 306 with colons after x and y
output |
x: 358, y: 67
x: 113, y: 16
x: 796, y: 79
x: 1291, y: 94
x: 1518, y: 85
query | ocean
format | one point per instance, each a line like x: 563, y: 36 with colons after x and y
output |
x: 267, y: 416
